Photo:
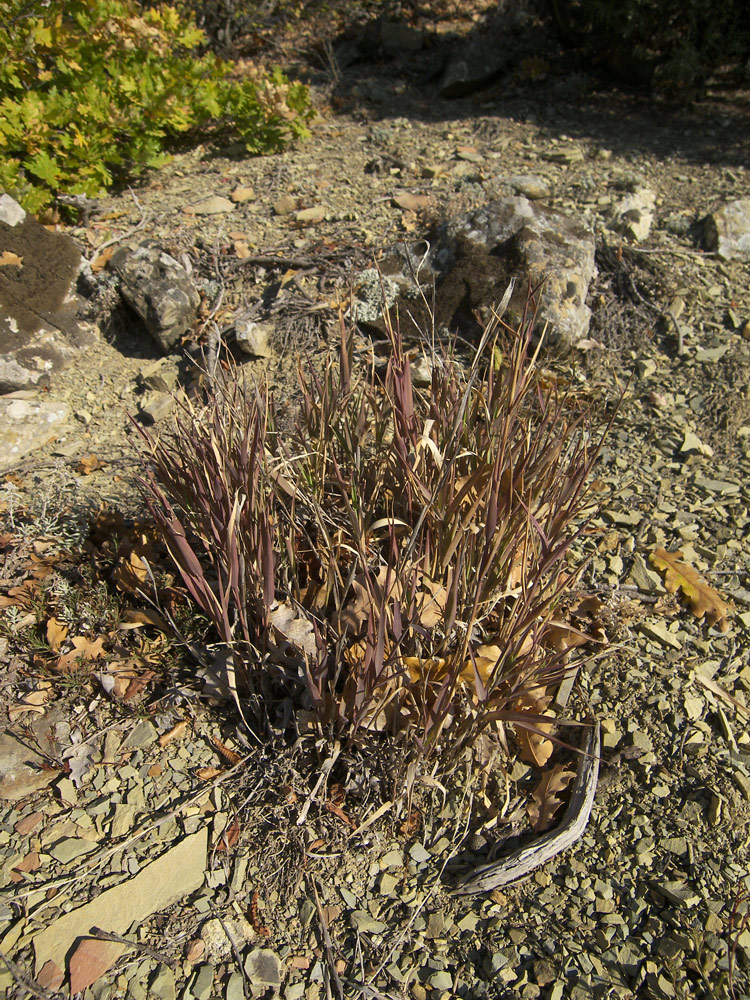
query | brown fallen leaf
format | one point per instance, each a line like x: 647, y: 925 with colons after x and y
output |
x: 412, y: 824
x: 102, y: 259
x: 704, y: 600
x: 33, y: 702
x: 89, y: 464
x: 229, y: 755
x: 57, y: 633
x: 545, y: 802
x: 208, y: 773
x: 535, y: 747
x: 131, y: 574
x: 84, y: 649
x: 257, y: 924
x: 338, y: 811
x: 194, y: 951
x: 229, y: 837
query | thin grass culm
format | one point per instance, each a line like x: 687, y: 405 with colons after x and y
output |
x: 401, y: 560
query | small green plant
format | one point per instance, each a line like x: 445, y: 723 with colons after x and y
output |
x: 400, y: 558
x: 94, y: 91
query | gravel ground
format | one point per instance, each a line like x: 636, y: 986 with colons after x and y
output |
x: 294, y: 897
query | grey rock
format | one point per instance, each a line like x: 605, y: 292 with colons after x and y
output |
x: 202, y: 982
x: 143, y: 735
x: 70, y: 848
x: 235, y: 987
x: 365, y: 923
x: 418, y: 853
x: 215, y: 205
x: 253, y: 338
x: 435, y: 924
x: 441, y: 980
x: 263, y: 968
x: 515, y: 238
x: 159, y: 289
x: 727, y: 231
x: 21, y: 771
x: 40, y: 329
x: 532, y: 186
x: 397, y: 37
x: 155, y: 406
x: 27, y: 425
x: 634, y: 214
x: 475, y: 63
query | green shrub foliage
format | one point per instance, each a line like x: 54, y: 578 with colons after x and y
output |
x: 673, y: 44
x: 94, y: 91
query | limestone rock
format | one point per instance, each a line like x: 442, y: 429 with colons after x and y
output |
x: 478, y: 61
x: 40, y: 331
x: 158, y: 288
x: 515, y: 238
x: 253, y: 338
x: 727, y: 231
x: 532, y: 186
x: 634, y: 214
x: 26, y: 425
x: 263, y: 968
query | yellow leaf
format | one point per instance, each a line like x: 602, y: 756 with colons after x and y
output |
x: 57, y: 633
x: 8, y: 259
x: 704, y: 600
x: 535, y: 748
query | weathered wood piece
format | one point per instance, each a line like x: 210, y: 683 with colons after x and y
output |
x: 520, y: 863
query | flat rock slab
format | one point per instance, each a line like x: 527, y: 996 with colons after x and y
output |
x: 21, y: 766
x: 26, y: 425
x: 39, y: 327
x: 172, y: 876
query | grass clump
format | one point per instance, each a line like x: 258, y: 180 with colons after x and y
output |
x: 94, y: 91
x: 398, y: 561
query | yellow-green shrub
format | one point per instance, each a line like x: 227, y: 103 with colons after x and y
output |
x: 94, y: 91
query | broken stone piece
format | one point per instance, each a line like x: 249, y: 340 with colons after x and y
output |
x: 253, y: 338
x: 27, y: 425
x: 158, y: 288
x: 634, y: 214
x: 515, y: 238
x: 727, y: 230
x: 263, y: 968
x: 39, y: 327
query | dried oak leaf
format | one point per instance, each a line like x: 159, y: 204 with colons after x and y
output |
x: 57, y: 633
x: 89, y: 464
x: 704, y: 600
x: 544, y: 802
x: 535, y: 747
x: 84, y: 649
